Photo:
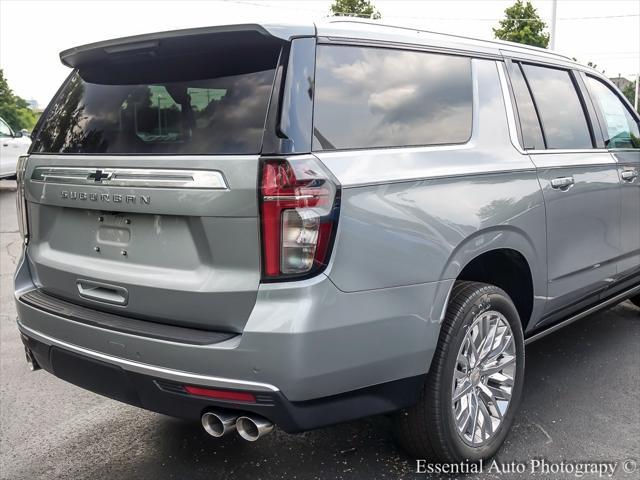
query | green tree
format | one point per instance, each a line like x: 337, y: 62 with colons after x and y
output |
x: 13, y: 109
x: 630, y: 92
x: 355, y: 8
x: 522, y: 24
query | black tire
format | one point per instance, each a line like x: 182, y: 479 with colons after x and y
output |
x: 635, y: 300
x: 427, y: 429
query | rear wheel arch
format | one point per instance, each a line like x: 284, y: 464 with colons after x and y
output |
x: 509, y: 270
x: 504, y: 244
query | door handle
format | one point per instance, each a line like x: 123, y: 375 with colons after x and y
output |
x: 629, y: 175
x: 101, y: 292
x: 563, y: 183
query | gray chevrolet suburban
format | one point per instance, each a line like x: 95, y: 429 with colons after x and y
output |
x: 299, y: 225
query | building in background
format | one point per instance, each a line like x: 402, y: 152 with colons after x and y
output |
x: 621, y: 82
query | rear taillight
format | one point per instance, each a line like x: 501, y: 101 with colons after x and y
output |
x: 21, y: 202
x: 299, y: 214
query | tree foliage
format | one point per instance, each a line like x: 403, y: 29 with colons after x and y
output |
x: 630, y: 92
x: 522, y: 24
x: 355, y: 8
x: 13, y: 109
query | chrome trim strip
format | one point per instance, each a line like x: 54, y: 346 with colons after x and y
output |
x: 275, y: 198
x: 613, y: 300
x: 153, y: 370
x: 568, y: 150
x: 131, y: 177
x: 508, y: 104
x: 445, y: 176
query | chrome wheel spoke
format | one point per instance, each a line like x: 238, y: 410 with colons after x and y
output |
x: 483, y: 378
x: 487, y: 344
x: 492, y: 401
x: 498, y: 365
x: 463, y: 388
x: 486, y: 429
x: 474, y: 417
x: 473, y: 353
x: 498, y: 393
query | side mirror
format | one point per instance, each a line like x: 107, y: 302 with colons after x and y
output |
x: 17, y: 134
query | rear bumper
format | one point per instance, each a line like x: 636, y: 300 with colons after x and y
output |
x: 168, y: 397
x: 305, y: 344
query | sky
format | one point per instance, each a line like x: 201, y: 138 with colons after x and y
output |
x: 32, y: 33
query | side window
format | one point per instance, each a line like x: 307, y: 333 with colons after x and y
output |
x: 5, y: 131
x: 560, y: 109
x: 529, y: 122
x: 375, y: 97
x: 620, y: 128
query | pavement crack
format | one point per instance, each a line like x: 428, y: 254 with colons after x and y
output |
x: 546, y: 434
x: 7, y: 248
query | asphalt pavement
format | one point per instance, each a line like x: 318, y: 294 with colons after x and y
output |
x: 581, y: 404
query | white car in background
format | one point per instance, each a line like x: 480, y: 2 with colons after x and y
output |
x: 12, y: 145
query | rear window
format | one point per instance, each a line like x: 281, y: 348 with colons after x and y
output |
x: 182, y: 106
x: 563, y: 119
x: 374, y: 97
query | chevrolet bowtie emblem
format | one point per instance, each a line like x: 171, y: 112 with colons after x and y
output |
x: 99, y: 175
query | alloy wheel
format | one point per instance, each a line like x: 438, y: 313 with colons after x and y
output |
x: 483, y: 378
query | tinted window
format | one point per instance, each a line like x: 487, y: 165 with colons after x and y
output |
x: 373, y: 97
x: 192, y: 107
x: 561, y: 113
x: 620, y: 128
x: 529, y: 123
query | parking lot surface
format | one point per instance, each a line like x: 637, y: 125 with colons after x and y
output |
x: 581, y: 404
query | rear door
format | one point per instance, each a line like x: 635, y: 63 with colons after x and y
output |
x: 580, y: 182
x: 622, y: 138
x: 141, y: 184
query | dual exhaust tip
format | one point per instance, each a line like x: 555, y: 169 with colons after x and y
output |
x: 251, y: 428
x: 32, y: 363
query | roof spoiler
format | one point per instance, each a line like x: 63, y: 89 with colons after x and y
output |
x: 155, y: 44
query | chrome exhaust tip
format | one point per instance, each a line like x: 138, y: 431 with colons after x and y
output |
x: 253, y: 428
x: 218, y: 424
x: 32, y: 363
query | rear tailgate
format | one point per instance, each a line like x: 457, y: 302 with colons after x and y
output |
x: 185, y: 255
x: 142, y: 180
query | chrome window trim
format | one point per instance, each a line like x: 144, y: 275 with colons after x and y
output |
x: 131, y: 177
x: 509, y: 107
x: 511, y: 121
x: 152, y: 370
x: 568, y: 150
x: 409, y: 47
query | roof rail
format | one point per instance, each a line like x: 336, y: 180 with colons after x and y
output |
x: 415, y: 29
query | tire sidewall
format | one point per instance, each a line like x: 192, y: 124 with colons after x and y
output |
x: 488, y: 298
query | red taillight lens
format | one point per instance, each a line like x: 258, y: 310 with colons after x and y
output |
x: 221, y: 394
x: 299, y: 212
